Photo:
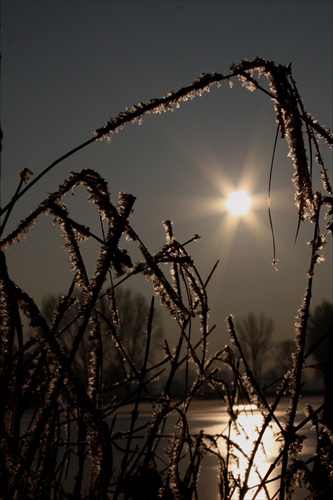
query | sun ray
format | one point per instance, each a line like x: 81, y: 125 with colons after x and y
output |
x: 221, y: 177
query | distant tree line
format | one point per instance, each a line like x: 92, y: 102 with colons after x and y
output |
x: 127, y: 342
x: 270, y: 360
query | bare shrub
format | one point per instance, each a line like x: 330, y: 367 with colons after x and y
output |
x: 71, y: 426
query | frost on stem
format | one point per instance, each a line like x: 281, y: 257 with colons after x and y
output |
x: 169, y: 102
x: 19, y: 234
x: 113, y: 306
x: 7, y: 322
x: 163, y: 289
x: 329, y: 216
x: 50, y: 367
x: 168, y: 295
x: 26, y: 175
x: 290, y: 119
x: 95, y: 363
x: 318, y: 245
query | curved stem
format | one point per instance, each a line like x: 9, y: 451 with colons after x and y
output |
x: 19, y: 194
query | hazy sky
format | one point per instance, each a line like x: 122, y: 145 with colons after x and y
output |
x: 68, y: 66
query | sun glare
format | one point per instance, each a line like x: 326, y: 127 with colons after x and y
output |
x: 234, y: 204
x: 238, y: 203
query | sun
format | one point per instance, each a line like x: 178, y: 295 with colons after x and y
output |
x: 238, y: 203
x: 230, y: 207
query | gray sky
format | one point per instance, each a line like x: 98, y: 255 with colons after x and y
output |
x: 68, y: 66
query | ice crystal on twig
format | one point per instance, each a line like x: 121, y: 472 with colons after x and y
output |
x: 25, y: 175
x: 44, y: 369
x: 171, y: 100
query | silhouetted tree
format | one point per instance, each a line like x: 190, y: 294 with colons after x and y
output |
x: 320, y: 324
x: 127, y: 315
x: 133, y: 312
x: 282, y: 355
x: 281, y: 363
x: 68, y: 329
x: 255, y: 334
x: 320, y: 338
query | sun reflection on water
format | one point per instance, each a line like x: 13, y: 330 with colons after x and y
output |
x: 249, y: 424
x: 242, y: 437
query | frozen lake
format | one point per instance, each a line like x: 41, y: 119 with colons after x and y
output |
x: 212, y: 418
